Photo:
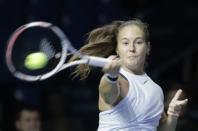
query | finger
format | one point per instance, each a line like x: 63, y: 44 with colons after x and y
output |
x: 107, y: 67
x: 115, y: 65
x: 112, y: 67
x: 177, y: 95
x: 112, y: 57
x: 175, y: 108
x: 183, y: 102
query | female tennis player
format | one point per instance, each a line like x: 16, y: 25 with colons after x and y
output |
x: 128, y: 98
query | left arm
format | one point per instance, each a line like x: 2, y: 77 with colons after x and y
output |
x: 169, y: 122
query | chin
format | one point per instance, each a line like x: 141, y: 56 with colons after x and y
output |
x: 134, y: 65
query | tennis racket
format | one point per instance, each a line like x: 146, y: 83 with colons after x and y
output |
x: 49, y: 39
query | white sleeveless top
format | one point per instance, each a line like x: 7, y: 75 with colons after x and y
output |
x: 139, y: 110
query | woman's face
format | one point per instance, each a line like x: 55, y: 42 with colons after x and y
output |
x: 132, y: 48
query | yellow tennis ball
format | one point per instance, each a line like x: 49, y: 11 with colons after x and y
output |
x: 35, y: 61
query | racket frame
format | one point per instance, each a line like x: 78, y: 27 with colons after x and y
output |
x: 18, y: 32
x: 66, y: 46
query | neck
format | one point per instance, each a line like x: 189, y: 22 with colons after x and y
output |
x: 136, y: 71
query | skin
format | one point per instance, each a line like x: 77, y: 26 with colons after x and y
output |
x: 132, y: 50
x: 29, y: 121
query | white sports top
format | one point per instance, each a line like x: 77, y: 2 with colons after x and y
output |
x: 140, y: 110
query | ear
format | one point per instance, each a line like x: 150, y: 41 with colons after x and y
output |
x: 148, y: 48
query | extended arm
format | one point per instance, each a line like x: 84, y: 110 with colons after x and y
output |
x: 109, y: 89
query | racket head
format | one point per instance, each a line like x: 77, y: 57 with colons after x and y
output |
x: 34, y: 37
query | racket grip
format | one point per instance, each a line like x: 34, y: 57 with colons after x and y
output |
x: 97, y: 61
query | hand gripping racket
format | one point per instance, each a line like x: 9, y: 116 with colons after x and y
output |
x: 47, y: 38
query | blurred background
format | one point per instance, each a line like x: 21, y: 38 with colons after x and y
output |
x: 70, y: 104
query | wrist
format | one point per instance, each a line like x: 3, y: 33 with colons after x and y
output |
x: 111, y: 78
x: 173, y: 113
x: 173, y: 118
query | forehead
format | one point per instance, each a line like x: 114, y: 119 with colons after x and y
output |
x: 130, y: 31
x: 26, y: 113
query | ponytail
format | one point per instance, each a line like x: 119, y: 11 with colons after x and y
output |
x: 101, y: 42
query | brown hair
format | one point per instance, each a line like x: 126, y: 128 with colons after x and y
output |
x: 102, y: 42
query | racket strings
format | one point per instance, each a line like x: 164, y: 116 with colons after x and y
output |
x: 45, y: 46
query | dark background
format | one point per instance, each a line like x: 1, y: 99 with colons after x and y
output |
x: 173, y: 62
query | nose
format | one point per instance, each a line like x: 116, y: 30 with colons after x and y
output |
x: 132, y: 47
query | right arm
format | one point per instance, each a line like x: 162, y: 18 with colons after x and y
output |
x: 109, y: 89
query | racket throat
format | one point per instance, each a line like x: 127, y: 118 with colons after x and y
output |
x: 96, y: 61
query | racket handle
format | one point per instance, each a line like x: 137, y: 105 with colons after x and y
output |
x: 97, y: 61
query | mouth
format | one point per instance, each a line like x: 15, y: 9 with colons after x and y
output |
x: 132, y: 56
